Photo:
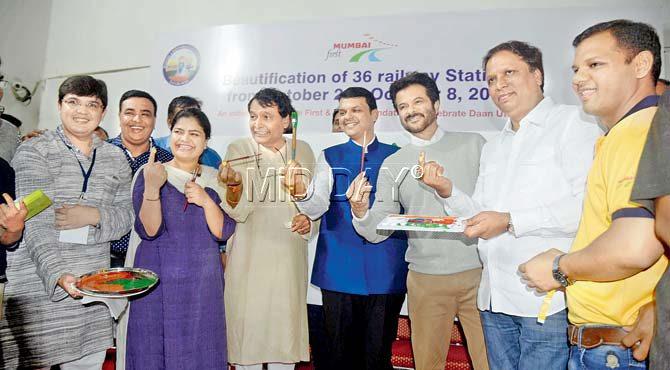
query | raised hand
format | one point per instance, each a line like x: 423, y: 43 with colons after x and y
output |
x: 358, y: 194
x: 433, y: 176
x: 228, y: 176
x: 233, y: 182
x: 294, y: 179
x: 12, y: 218
x: 155, y: 176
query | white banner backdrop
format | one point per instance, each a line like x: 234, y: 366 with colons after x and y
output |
x: 314, y: 61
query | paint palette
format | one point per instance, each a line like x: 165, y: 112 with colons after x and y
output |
x: 449, y: 224
x: 117, y: 282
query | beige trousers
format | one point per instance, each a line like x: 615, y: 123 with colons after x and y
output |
x: 433, y: 302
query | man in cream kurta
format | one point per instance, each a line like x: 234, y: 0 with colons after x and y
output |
x: 266, y: 271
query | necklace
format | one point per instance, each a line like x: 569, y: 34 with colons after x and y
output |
x: 257, y: 157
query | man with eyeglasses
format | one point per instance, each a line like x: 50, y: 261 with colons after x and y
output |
x: 88, y: 181
x: 137, y: 118
x: 528, y: 197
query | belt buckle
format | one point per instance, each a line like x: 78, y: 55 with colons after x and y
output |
x: 585, y: 346
x: 579, y: 340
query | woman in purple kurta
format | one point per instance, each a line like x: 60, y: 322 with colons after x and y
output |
x: 180, y: 324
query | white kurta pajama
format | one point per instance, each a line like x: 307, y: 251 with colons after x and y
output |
x: 266, y: 270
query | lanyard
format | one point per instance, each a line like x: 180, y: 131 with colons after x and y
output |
x: 85, y: 174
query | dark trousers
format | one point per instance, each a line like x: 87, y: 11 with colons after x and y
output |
x: 317, y: 337
x: 360, y: 329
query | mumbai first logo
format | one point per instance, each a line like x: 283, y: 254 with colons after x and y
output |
x: 362, y: 50
x: 181, y: 65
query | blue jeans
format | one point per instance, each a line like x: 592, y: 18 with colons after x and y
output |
x: 514, y: 342
x: 603, y: 357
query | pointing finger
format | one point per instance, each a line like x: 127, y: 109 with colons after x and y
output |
x: 9, y: 200
x: 152, y: 156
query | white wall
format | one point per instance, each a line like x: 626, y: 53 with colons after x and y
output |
x: 24, y: 30
x: 46, y: 39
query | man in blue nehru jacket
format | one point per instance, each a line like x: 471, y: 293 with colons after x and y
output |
x: 362, y: 284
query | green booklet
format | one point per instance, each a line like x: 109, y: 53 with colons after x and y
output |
x: 35, y: 202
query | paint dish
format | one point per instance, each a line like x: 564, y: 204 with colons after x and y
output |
x: 117, y: 282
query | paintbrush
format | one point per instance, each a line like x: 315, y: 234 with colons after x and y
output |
x: 194, y: 174
x: 294, y: 137
x: 363, y: 150
x: 241, y: 158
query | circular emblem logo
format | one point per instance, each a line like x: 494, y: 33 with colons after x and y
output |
x: 181, y: 65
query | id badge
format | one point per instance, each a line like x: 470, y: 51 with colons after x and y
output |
x: 75, y: 236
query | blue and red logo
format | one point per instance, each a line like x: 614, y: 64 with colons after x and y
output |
x: 181, y: 65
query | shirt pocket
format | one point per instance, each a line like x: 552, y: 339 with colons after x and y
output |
x: 537, y: 172
x: 109, y: 188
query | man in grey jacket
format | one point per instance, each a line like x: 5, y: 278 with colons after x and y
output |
x: 444, y: 267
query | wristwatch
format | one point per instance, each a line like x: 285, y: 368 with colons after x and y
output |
x: 510, y: 226
x: 558, y: 274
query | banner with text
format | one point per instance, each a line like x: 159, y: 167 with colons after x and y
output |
x: 314, y: 61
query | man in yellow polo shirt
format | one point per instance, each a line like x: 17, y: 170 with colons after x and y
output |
x: 615, y: 260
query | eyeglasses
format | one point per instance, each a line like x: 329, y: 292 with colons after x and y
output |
x: 75, y: 103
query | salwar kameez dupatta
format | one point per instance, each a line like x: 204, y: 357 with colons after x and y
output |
x: 266, y: 269
x: 182, y: 321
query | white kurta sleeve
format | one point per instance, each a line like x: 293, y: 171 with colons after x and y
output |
x: 317, y: 201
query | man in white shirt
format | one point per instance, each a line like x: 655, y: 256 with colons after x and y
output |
x: 528, y: 198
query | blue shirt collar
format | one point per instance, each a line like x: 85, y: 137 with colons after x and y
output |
x: 648, y: 102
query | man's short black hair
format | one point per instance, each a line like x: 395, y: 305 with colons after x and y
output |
x: 360, y: 92
x: 198, y: 115
x: 527, y: 52
x: 664, y: 81
x: 138, y: 94
x: 415, y: 78
x: 633, y: 37
x: 269, y: 97
x: 84, y: 86
x: 181, y: 102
